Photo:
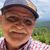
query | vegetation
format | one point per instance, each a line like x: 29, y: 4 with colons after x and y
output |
x: 42, y: 34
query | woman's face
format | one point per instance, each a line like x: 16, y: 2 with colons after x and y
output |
x: 18, y: 24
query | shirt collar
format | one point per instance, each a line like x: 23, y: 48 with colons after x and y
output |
x: 24, y: 47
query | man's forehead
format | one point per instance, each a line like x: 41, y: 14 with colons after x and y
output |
x: 19, y: 9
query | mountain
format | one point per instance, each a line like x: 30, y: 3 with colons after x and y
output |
x: 44, y: 19
x: 43, y: 23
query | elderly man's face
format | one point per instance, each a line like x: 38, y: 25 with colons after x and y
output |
x: 18, y: 24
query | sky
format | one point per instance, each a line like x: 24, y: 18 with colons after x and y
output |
x: 43, y: 8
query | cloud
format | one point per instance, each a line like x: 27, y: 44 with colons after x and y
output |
x: 43, y: 0
x: 41, y: 13
x: 0, y: 12
x: 43, y: 7
x: 1, y: 3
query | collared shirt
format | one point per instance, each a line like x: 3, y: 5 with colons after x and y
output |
x: 30, y: 45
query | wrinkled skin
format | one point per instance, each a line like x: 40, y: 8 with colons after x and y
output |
x: 19, y: 32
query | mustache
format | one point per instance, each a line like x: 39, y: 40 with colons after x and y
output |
x: 15, y: 31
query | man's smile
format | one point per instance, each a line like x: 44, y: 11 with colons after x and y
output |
x: 17, y: 35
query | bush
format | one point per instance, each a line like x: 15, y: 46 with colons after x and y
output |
x: 42, y: 34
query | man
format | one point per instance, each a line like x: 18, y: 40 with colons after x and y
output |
x: 18, y: 21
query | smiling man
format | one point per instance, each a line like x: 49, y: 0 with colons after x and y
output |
x: 18, y: 21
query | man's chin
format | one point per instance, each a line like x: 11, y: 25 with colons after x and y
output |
x: 15, y: 43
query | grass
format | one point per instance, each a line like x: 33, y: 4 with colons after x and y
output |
x: 42, y: 34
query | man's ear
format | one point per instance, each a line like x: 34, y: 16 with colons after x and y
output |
x: 0, y: 19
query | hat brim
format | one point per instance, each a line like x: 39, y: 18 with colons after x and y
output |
x: 27, y: 7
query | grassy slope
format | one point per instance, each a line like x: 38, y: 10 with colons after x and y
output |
x: 42, y: 32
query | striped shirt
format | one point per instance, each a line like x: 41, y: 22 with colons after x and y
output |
x: 30, y: 45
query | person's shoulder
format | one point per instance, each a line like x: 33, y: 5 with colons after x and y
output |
x: 37, y: 45
x: 1, y: 42
x: 1, y: 39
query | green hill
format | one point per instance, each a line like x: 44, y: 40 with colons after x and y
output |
x: 43, y: 24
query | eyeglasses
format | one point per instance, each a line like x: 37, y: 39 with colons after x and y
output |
x: 25, y: 20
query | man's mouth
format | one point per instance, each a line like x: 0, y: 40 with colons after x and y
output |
x: 17, y: 34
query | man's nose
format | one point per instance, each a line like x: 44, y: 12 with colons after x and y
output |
x: 19, y: 26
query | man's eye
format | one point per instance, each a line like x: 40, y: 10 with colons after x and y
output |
x: 12, y: 19
x: 28, y: 22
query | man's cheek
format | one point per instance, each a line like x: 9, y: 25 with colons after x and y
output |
x: 5, y: 28
x: 29, y: 31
